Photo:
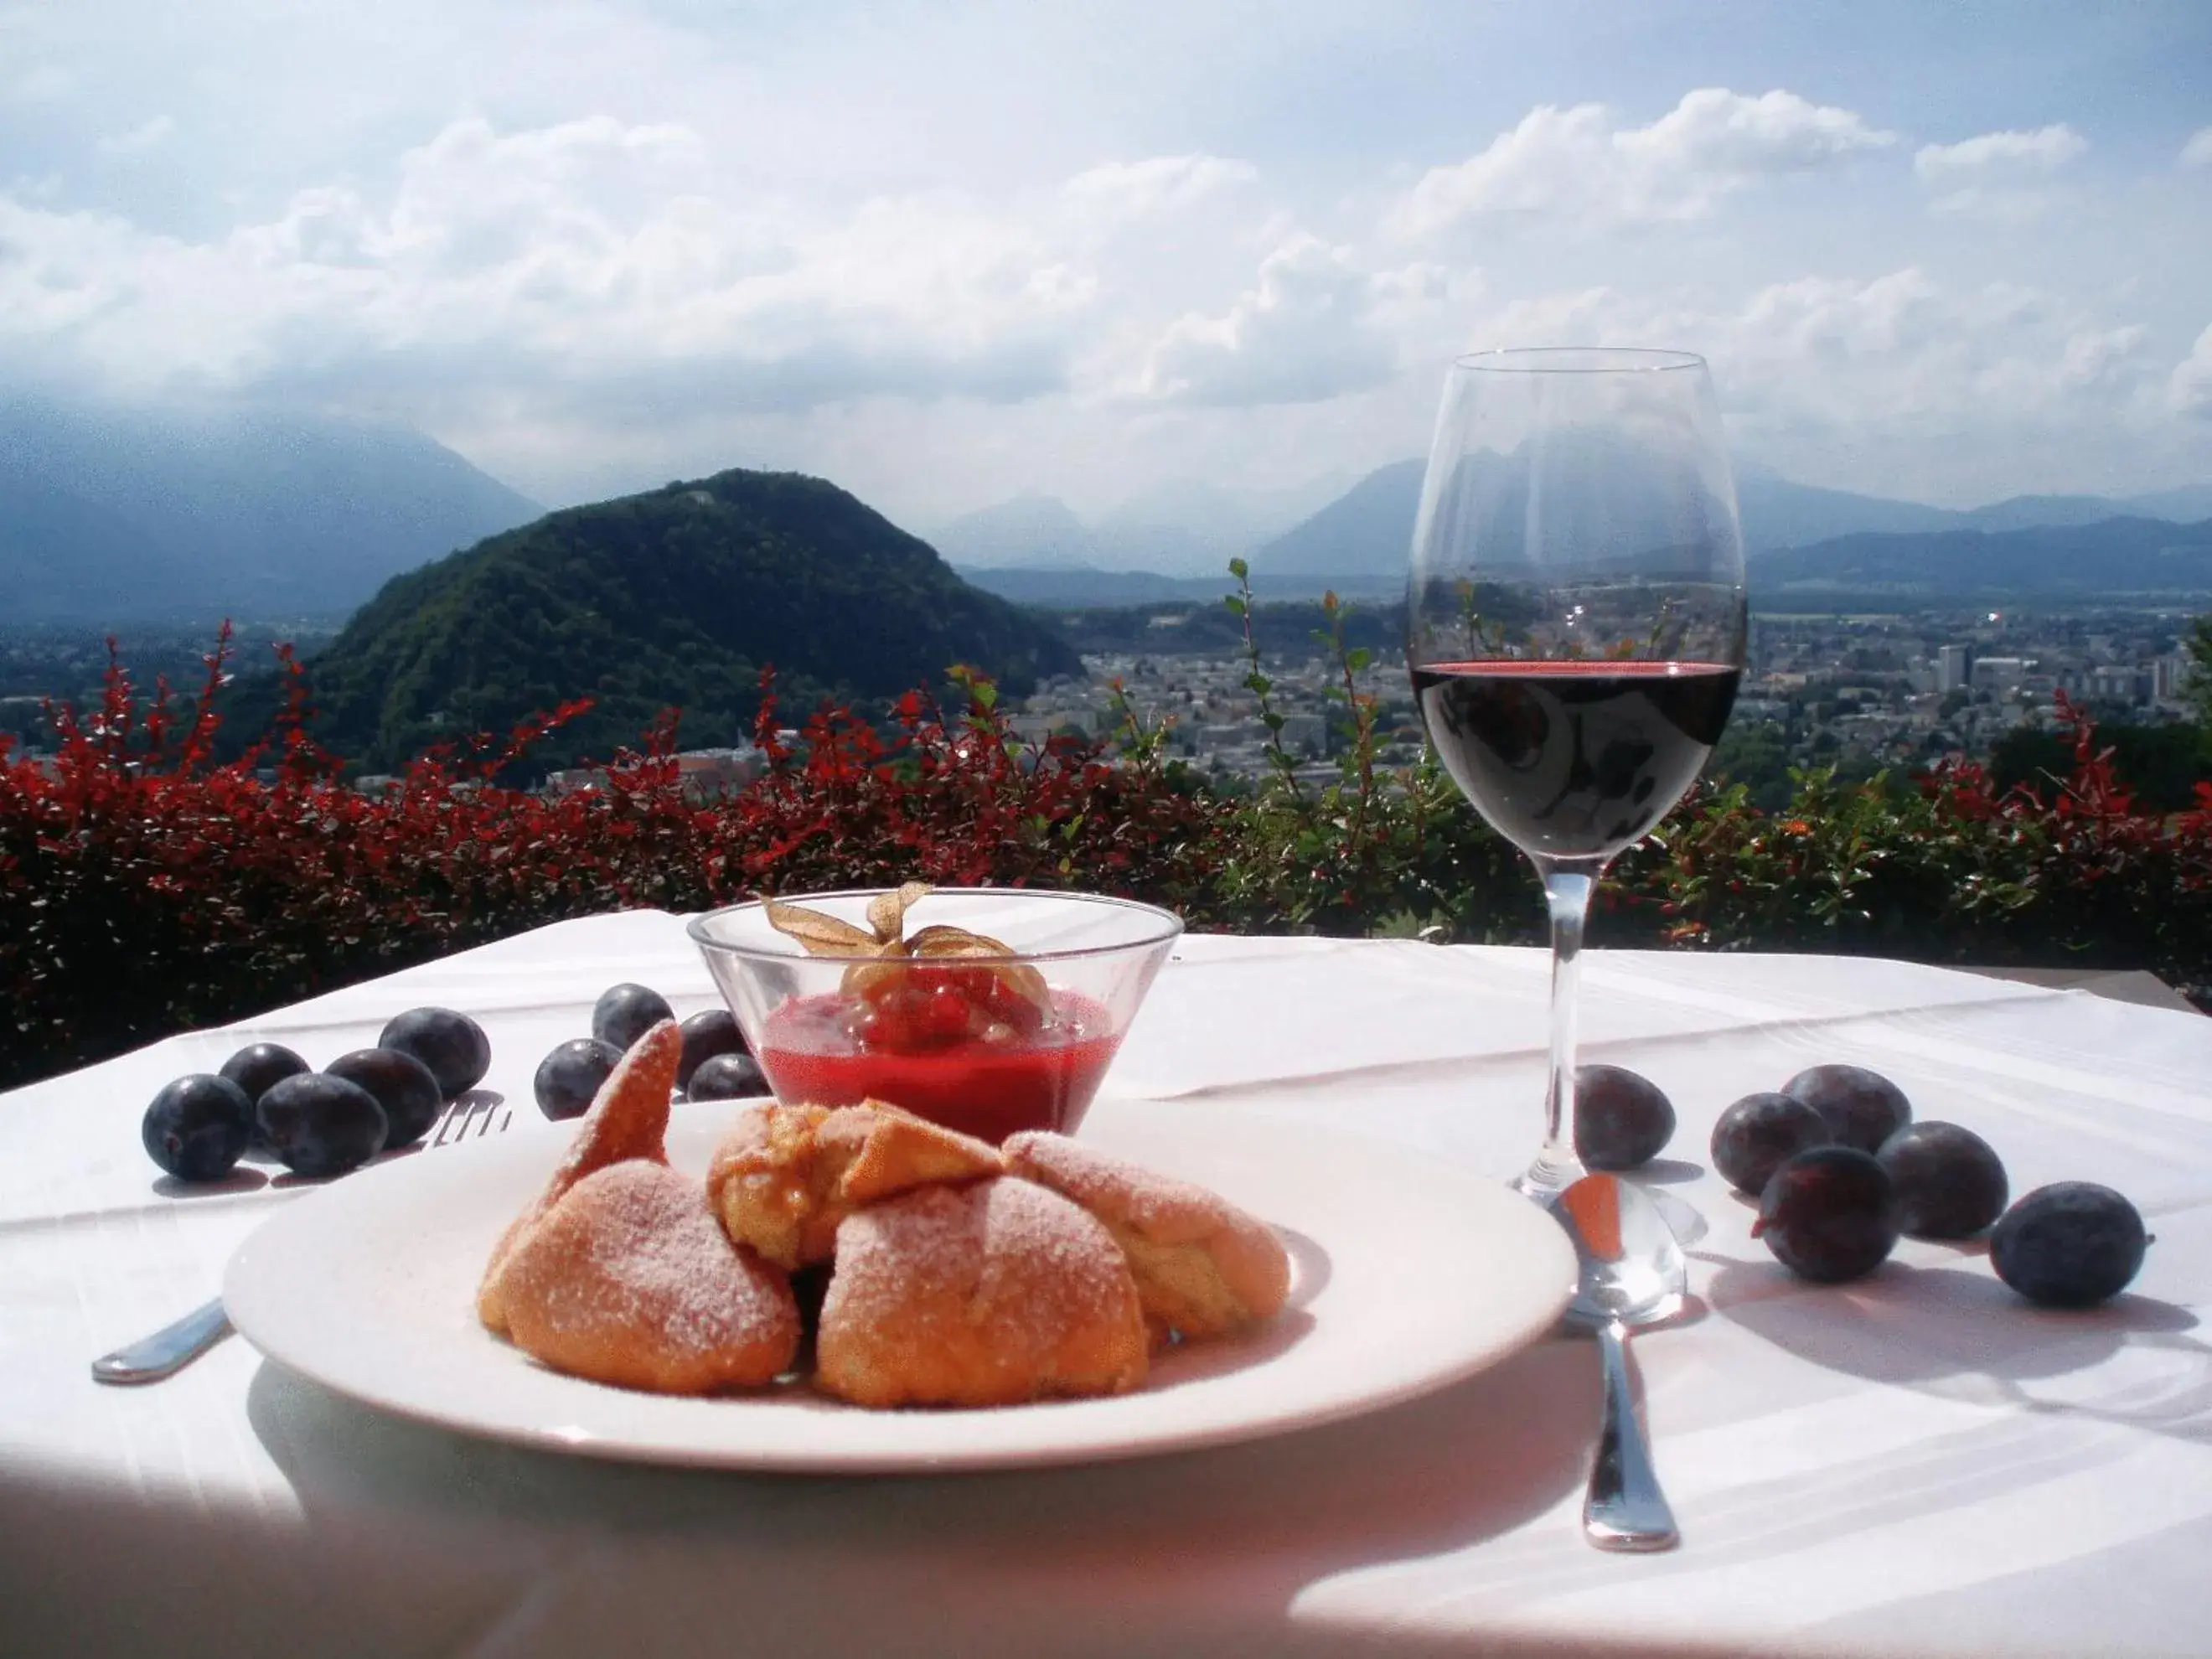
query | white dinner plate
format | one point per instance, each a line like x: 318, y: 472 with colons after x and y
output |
x: 1411, y: 1274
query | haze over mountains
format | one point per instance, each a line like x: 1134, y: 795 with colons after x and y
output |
x: 1183, y: 528
x: 110, y: 515
x: 2087, y: 564
x: 1359, y: 540
x: 1367, y: 530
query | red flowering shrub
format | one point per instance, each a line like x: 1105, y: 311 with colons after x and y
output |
x: 1945, y: 868
x: 145, y: 889
x: 961, y: 803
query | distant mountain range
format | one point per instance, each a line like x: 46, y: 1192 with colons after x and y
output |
x: 1183, y: 528
x: 1364, y: 531
x: 1368, y: 530
x: 678, y: 597
x: 2114, y: 558
x: 1037, y: 532
x: 109, y: 516
x: 2111, y: 560
x: 1081, y: 588
x: 1036, y: 551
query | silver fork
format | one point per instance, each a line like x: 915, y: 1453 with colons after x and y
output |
x: 474, y: 1116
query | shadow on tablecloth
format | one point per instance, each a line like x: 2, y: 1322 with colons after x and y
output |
x: 598, y: 1554
x: 1959, y: 1333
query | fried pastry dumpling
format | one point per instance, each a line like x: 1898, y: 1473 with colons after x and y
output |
x: 785, y: 1176
x: 628, y: 1119
x: 987, y: 1294
x: 629, y: 1280
x: 1203, y: 1266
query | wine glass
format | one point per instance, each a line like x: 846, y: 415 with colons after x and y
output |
x: 1575, y: 623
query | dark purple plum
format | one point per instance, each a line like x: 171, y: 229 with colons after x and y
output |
x: 627, y: 1011
x: 568, y: 1079
x: 727, y: 1077
x: 256, y: 1068
x: 705, y: 1034
x: 197, y: 1127
x: 259, y: 1066
x: 1949, y: 1182
x: 1756, y: 1133
x: 453, y: 1046
x: 1829, y: 1214
x: 1622, y: 1120
x: 403, y: 1085
x: 624, y: 1014
x: 1863, y: 1107
x: 320, y: 1125
x: 2069, y: 1245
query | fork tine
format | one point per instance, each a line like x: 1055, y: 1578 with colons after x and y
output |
x: 449, y: 1123
x: 475, y: 1116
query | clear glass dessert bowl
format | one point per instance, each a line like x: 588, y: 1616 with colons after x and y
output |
x: 989, y: 1010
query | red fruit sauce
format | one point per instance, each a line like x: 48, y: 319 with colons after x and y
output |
x: 1044, y: 1079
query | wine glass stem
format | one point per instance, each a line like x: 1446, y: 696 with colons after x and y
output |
x: 1567, y: 890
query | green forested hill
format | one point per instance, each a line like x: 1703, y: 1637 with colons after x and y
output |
x: 675, y: 597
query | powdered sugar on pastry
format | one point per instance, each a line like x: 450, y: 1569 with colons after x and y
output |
x: 627, y: 1119
x: 629, y: 1280
x: 1202, y: 1266
x: 982, y: 1295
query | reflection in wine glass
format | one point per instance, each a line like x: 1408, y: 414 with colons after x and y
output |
x: 1575, y: 620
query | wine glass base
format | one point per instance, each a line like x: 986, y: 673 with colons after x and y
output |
x: 1542, y: 1181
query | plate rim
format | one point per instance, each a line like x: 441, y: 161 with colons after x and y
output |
x: 246, y: 1280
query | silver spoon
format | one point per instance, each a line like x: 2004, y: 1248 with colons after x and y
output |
x: 1632, y: 1274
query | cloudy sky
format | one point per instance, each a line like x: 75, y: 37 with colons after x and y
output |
x: 950, y: 253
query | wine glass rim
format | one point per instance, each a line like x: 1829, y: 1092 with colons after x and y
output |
x: 1577, y: 360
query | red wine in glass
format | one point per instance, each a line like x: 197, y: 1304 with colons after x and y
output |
x: 1574, y: 624
x: 1574, y: 759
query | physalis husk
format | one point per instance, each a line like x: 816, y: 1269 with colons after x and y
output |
x: 883, y: 942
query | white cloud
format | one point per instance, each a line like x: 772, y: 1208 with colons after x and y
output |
x: 2046, y: 149
x: 1580, y: 162
x: 1302, y: 333
x: 1906, y: 383
x: 1123, y: 191
x: 2197, y: 152
x: 591, y: 259
x: 610, y: 264
x: 1994, y: 205
x: 1900, y: 354
x: 147, y: 135
x: 1908, y: 352
x: 1986, y: 177
x: 2189, y: 387
x: 941, y: 283
x: 1722, y: 133
x: 2103, y: 356
x: 42, y: 83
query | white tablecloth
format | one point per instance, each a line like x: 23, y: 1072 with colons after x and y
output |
x: 1917, y: 1463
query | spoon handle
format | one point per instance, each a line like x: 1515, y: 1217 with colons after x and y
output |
x: 1625, y: 1509
x: 168, y: 1350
